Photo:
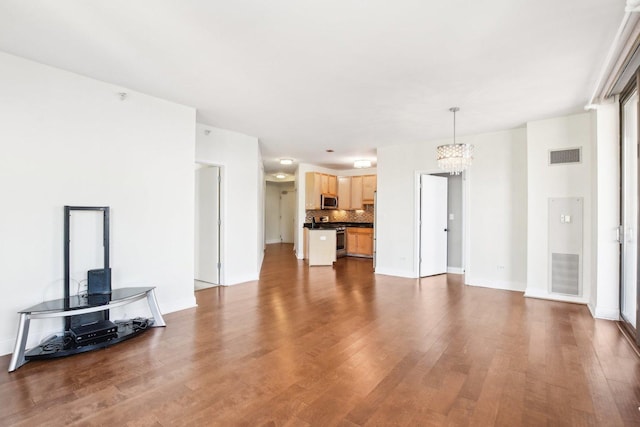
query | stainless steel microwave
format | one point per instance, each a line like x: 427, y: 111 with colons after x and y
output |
x: 328, y: 202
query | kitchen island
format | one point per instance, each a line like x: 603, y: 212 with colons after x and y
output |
x: 353, y: 238
x: 322, y: 246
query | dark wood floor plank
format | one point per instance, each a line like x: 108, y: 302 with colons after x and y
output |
x: 341, y: 346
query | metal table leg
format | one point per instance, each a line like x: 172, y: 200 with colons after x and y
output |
x: 17, y: 358
x: 155, y: 310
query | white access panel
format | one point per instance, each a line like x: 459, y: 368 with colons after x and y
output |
x: 565, y: 245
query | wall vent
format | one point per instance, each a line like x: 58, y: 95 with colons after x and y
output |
x: 565, y: 262
x: 565, y: 274
x: 570, y: 155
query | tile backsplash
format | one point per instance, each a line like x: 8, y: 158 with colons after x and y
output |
x: 365, y: 215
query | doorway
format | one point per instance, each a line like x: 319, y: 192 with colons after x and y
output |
x: 207, y: 266
x: 440, y: 223
x: 280, y: 212
x: 629, y: 220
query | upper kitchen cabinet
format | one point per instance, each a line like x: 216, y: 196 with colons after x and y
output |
x: 369, y: 184
x: 328, y: 184
x: 356, y: 192
x: 350, y: 192
x: 344, y: 192
x: 317, y: 184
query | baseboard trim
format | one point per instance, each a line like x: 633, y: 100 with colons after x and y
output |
x: 395, y: 273
x: 543, y: 294
x: 455, y: 270
x: 504, y: 285
x: 606, y: 313
x: 241, y: 279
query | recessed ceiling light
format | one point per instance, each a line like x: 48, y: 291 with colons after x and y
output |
x: 286, y: 161
x: 362, y: 164
x: 280, y: 175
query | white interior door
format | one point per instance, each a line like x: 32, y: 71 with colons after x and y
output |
x: 287, y: 216
x: 629, y: 234
x: 207, y: 228
x: 433, y: 225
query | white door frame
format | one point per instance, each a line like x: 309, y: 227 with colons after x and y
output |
x: 221, y: 231
x: 465, y: 221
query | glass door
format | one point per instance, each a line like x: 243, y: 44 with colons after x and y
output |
x: 629, y: 210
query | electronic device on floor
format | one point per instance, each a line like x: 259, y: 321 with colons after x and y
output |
x: 92, y: 333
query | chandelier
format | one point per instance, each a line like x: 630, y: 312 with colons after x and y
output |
x: 455, y: 158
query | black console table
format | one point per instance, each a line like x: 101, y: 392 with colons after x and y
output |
x: 63, y: 345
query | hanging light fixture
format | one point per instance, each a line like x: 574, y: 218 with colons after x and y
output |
x: 455, y: 158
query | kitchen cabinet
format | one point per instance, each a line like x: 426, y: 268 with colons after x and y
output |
x: 356, y: 192
x: 305, y: 243
x: 317, y: 184
x: 350, y: 192
x: 328, y: 184
x: 344, y: 192
x: 360, y: 242
x: 369, y: 184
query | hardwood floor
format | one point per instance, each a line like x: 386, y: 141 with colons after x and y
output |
x: 340, y: 346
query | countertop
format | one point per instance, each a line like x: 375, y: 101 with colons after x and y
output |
x: 330, y: 225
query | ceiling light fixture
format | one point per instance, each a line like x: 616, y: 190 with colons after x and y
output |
x: 286, y: 161
x: 359, y: 164
x: 455, y: 158
x: 280, y: 175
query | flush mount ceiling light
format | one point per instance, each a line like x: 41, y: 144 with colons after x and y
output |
x: 455, y: 158
x: 358, y: 164
x: 286, y: 161
x: 281, y: 175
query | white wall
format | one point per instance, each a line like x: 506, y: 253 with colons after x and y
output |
x: 70, y: 140
x: 545, y: 181
x: 242, y: 199
x: 497, y: 211
x: 495, y: 206
x: 604, y: 302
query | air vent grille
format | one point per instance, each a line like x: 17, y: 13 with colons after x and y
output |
x: 558, y: 157
x: 565, y: 274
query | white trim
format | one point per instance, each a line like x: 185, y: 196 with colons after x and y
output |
x: 242, y: 279
x: 272, y: 241
x: 7, y: 345
x: 617, y: 58
x: 607, y: 313
x: 397, y: 273
x: 543, y: 294
x: 466, y: 230
x: 455, y: 270
x: 495, y: 284
x: 183, y: 304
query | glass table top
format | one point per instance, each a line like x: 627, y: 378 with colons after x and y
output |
x: 76, y: 302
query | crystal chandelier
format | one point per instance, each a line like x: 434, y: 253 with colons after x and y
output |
x: 455, y: 158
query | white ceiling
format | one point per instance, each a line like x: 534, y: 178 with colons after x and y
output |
x: 350, y: 75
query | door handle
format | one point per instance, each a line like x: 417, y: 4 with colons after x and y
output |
x: 446, y: 229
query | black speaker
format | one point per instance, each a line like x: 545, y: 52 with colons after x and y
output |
x: 99, y: 281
